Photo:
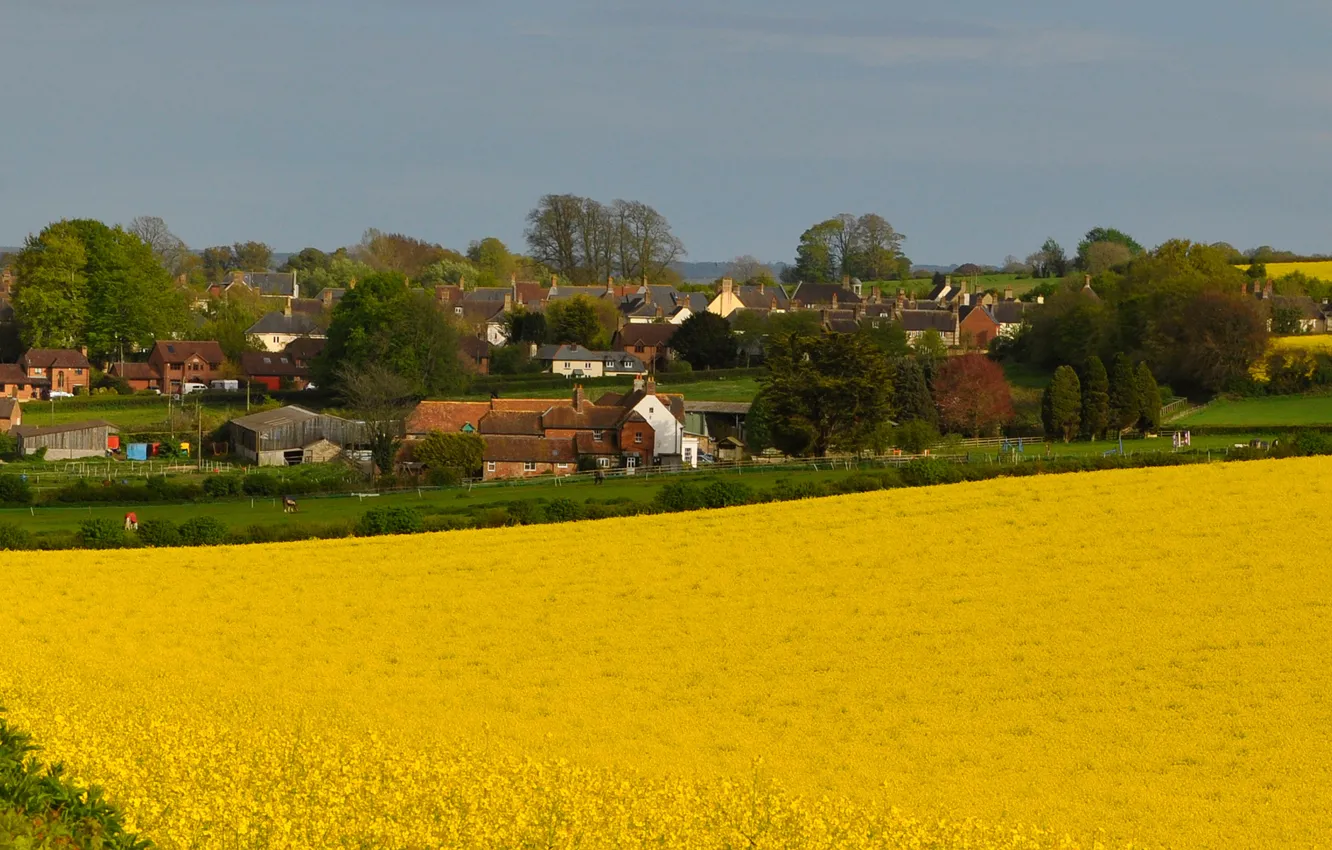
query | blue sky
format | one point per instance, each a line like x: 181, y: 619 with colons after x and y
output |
x: 977, y: 128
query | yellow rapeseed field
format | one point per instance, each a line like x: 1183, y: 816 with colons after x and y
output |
x: 1312, y: 343
x: 1064, y: 661
x: 1320, y: 269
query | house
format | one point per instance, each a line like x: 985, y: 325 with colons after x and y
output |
x: 275, y: 370
x: 731, y: 298
x: 649, y: 343
x: 578, y: 362
x: 272, y: 284
x: 1305, y: 310
x: 65, y: 369
x: 521, y: 456
x: 305, y: 349
x: 916, y: 322
x: 978, y: 327
x: 329, y: 296
x: 291, y: 435
x: 11, y: 414
x: 16, y: 384
x: 831, y: 296
x: 275, y: 331
x: 475, y: 354
x: 93, y: 438
x: 139, y: 376
x: 185, y: 361
x: 1010, y: 314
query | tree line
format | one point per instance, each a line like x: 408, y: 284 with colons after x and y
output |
x: 1094, y: 404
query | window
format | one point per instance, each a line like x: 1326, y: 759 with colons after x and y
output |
x: 37, y: 371
x: 639, y: 348
x: 688, y: 454
x: 78, y: 371
x: 277, y: 339
x: 597, y: 435
x: 490, y: 466
x: 562, y: 466
x: 566, y: 364
x: 457, y: 311
x: 587, y: 365
x: 603, y: 462
x: 638, y: 437
x: 529, y: 466
x: 631, y: 461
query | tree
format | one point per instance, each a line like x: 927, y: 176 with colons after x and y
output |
x: 169, y: 248
x: 252, y: 256
x: 911, y: 398
x: 1054, y: 261
x: 1125, y: 405
x: 1149, y: 399
x: 758, y: 425
x: 217, y: 261
x: 748, y: 268
x: 643, y: 241
x: 1103, y: 256
x: 585, y: 241
x: 888, y: 337
x: 816, y: 258
x: 395, y: 252
x: 706, y: 341
x: 493, y: 261
x: 462, y: 453
x: 827, y: 392
x: 522, y: 326
x: 1061, y: 404
x: 1104, y: 236
x: 929, y: 349
x: 50, y: 300
x: 972, y: 395
x: 878, y: 249
x: 1095, y: 399
x: 1287, y: 320
x: 381, y: 399
x: 574, y: 321
x: 227, y: 320
x: 383, y: 322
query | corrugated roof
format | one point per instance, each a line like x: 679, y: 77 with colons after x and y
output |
x: 275, y: 418
x: 733, y: 407
x: 42, y: 430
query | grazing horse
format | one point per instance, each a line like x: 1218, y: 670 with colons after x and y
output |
x: 289, y: 505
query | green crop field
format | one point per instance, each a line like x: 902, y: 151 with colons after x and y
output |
x: 1277, y: 411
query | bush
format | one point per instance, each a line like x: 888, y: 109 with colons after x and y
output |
x: 8, y: 445
x: 461, y: 453
x: 14, y: 490
x: 13, y: 536
x: 395, y: 520
x: 223, y: 485
x: 446, y: 522
x: 926, y: 471
x: 261, y: 484
x: 1311, y: 443
x: 563, y: 510
x: 101, y: 533
x: 678, y: 367
x: 203, y: 531
x: 725, y: 494
x: 443, y: 477
x: 526, y: 513
x: 159, y: 532
x: 916, y: 436
x: 677, y: 496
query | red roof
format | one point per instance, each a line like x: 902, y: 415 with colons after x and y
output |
x: 540, y: 405
x: 515, y: 422
x: 178, y: 351
x: 54, y: 358
x: 588, y: 445
x: 529, y: 449
x: 134, y: 371
x: 446, y: 416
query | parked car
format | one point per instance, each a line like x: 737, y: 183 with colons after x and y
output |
x: 192, y: 387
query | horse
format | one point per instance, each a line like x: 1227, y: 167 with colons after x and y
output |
x: 289, y: 505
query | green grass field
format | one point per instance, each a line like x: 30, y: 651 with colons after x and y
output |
x: 1271, y: 412
x: 722, y: 389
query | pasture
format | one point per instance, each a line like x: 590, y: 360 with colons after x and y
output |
x: 1265, y: 412
x: 1103, y: 659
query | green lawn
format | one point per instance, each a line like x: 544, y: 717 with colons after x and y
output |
x: 721, y: 389
x: 1278, y: 411
x: 143, y: 413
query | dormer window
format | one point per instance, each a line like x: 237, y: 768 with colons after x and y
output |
x: 597, y: 435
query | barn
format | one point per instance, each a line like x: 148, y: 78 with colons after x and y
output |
x: 67, y: 442
x: 291, y: 435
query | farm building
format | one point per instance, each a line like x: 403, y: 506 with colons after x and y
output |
x: 66, y: 442
x: 11, y: 414
x: 291, y: 435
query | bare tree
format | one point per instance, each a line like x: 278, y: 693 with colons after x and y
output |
x: 877, y: 248
x: 645, y: 243
x: 382, y: 400
x: 586, y: 241
x: 169, y: 248
x: 747, y: 267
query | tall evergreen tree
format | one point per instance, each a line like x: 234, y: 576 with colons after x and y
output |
x: 1149, y: 399
x: 1061, y: 406
x: 911, y: 399
x: 1124, y: 405
x: 1095, y: 399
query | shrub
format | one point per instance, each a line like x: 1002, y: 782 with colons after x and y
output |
x: 461, y: 453
x: 915, y: 436
x: 395, y: 520
x: 223, y: 485
x: 860, y: 483
x: 724, y: 494
x: 8, y: 445
x: 101, y: 533
x: 203, y: 531
x: 926, y: 471
x: 493, y: 518
x: 14, y: 537
x: 261, y: 484
x: 446, y: 522
x: 159, y: 532
x: 14, y: 490
x: 563, y: 510
x: 443, y: 477
x: 1312, y: 443
x: 526, y: 513
x: 678, y: 496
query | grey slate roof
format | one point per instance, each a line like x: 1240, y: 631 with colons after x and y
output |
x: 924, y: 320
x: 279, y: 323
x: 810, y: 294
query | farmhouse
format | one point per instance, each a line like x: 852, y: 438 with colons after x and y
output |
x: 290, y: 435
x: 64, y: 369
x: 67, y: 442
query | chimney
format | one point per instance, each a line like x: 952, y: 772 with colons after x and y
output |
x: 1008, y: 293
x: 901, y: 299
x: 647, y: 294
x: 639, y: 383
x: 650, y: 386
x: 579, y: 398
x: 846, y: 281
x: 763, y: 287
x: 508, y: 302
x: 610, y: 285
x: 948, y: 281
x: 1086, y: 280
x: 834, y: 300
x: 727, y: 285
x: 876, y: 297
x: 661, y: 314
x: 1267, y: 290
x: 286, y: 308
x: 513, y: 279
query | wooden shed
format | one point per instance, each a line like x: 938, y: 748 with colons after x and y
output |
x: 292, y: 435
x: 66, y: 442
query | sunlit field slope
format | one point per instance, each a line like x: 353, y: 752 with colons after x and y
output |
x: 1321, y: 269
x: 1124, y: 656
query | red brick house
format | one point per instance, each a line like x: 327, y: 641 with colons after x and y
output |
x: 15, y: 383
x: 650, y: 342
x: 978, y: 327
x: 140, y: 376
x: 11, y: 414
x: 522, y: 456
x: 185, y: 361
x: 65, y: 369
x: 475, y: 354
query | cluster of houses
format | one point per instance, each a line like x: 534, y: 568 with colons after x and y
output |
x: 1314, y: 317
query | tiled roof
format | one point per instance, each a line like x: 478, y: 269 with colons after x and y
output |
x: 178, y: 351
x: 134, y: 371
x: 305, y: 348
x: 517, y: 422
x: 591, y: 417
x: 1009, y: 312
x: 272, y: 283
x: 809, y: 294
x: 266, y: 363
x: 656, y: 334
x: 763, y: 297
x: 446, y: 416
x: 1309, y: 308
x: 539, y: 405
x: 529, y: 449
x: 12, y: 373
x: 923, y: 320
x: 54, y: 358
x: 280, y: 323
x: 474, y: 347
x: 9, y: 407
x: 588, y: 444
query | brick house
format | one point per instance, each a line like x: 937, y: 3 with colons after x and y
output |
x: 649, y: 343
x: 11, y: 414
x: 140, y: 376
x: 186, y: 361
x: 65, y: 369
x: 523, y: 456
x: 978, y: 327
x: 15, y: 383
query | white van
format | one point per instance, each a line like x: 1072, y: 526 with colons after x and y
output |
x: 192, y: 387
x: 227, y: 384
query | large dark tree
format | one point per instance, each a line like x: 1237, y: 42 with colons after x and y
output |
x: 1061, y: 405
x: 1095, y: 399
x: 706, y: 341
x: 1104, y: 236
x: 911, y: 395
x: 384, y: 322
x: 825, y: 393
x: 575, y: 321
x: 586, y: 241
x: 1149, y: 399
x: 1125, y: 405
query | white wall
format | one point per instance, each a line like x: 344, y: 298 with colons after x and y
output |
x: 669, y: 431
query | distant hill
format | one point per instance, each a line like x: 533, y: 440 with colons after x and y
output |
x: 708, y: 272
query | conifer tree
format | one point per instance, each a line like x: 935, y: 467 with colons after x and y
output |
x: 1149, y: 399
x: 911, y: 398
x: 1095, y: 399
x: 1061, y: 405
x: 1124, y: 405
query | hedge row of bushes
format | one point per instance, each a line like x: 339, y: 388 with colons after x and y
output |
x: 322, y: 478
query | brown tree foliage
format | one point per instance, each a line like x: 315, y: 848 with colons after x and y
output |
x: 972, y: 395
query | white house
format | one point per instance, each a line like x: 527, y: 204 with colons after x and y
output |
x: 667, y: 417
x: 275, y: 331
x: 574, y: 361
